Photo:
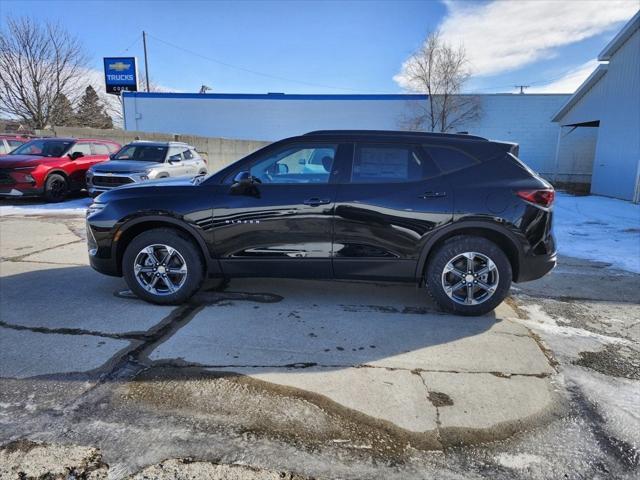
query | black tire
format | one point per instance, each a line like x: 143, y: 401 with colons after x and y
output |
x: 448, y: 251
x: 187, y: 250
x: 56, y: 188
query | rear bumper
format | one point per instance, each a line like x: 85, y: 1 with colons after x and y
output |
x: 536, y: 266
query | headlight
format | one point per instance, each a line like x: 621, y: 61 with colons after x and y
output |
x: 95, y: 208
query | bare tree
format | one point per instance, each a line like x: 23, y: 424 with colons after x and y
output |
x: 38, y: 63
x: 440, y: 71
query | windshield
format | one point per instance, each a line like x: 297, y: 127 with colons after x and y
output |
x: 143, y: 153
x: 44, y: 148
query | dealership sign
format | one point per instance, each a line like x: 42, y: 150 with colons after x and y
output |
x: 120, y: 74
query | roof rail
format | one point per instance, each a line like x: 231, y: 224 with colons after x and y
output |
x: 396, y: 133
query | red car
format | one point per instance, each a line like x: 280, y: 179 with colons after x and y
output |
x: 11, y: 142
x: 51, y: 167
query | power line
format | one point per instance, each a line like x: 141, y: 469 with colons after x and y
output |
x: 137, y: 39
x: 255, y: 72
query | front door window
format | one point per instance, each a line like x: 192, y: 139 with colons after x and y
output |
x: 296, y: 164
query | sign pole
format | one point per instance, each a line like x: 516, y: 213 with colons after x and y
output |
x: 146, y: 61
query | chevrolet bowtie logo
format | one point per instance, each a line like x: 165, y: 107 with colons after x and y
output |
x: 119, y: 66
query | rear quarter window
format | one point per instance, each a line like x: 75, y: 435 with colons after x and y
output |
x: 449, y: 159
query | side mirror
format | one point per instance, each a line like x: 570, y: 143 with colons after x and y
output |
x: 112, y: 156
x: 245, y: 184
x: 76, y: 155
x: 243, y: 178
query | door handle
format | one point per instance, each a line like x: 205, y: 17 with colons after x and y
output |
x: 433, y: 195
x: 314, y: 202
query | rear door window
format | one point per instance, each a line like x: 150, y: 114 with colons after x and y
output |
x: 449, y: 159
x: 82, y: 147
x: 385, y: 163
x: 100, y: 149
x: 176, y: 154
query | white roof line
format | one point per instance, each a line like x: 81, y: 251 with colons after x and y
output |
x: 622, y: 36
x: 581, y: 91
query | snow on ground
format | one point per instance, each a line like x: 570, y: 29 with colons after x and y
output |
x: 598, y: 228
x: 38, y: 207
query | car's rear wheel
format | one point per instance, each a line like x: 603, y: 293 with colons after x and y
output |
x: 468, y: 275
x: 163, y: 266
x: 56, y: 188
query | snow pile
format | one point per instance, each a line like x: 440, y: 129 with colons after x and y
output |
x: 598, y: 228
x: 76, y: 206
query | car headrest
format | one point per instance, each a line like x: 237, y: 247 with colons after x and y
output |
x: 327, y: 163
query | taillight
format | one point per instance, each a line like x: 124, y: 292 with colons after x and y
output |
x: 544, y: 198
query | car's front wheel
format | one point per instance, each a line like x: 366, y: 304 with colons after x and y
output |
x: 56, y: 188
x: 468, y: 275
x: 163, y: 266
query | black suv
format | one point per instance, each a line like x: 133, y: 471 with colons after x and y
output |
x: 458, y: 212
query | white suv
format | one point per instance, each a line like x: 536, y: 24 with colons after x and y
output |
x: 141, y: 161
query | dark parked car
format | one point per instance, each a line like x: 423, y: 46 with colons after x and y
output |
x: 458, y: 213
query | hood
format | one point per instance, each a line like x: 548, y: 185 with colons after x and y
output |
x: 163, y: 182
x: 13, y: 161
x: 161, y: 186
x: 123, y: 166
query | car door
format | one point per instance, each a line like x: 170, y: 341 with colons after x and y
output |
x: 78, y: 167
x: 190, y: 162
x: 392, y: 198
x: 101, y: 153
x: 175, y: 164
x: 280, y: 222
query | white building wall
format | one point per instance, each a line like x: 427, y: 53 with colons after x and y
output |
x: 261, y: 118
x: 576, y: 151
x: 524, y: 119
x: 617, y: 158
x: 614, y: 101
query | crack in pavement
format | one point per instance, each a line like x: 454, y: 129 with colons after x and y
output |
x: 303, y: 365
x: 73, y: 331
x: 19, y: 258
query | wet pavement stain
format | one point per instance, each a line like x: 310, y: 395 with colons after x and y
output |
x: 613, y: 360
x: 440, y: 399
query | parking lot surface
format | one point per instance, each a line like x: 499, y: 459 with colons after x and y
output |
x: 309, y: 379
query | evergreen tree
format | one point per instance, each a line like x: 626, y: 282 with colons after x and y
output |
x: 91, y: 111
x: 62, y: 114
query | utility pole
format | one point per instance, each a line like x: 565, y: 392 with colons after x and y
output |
x: 521, y: 87
x: 146, y: 61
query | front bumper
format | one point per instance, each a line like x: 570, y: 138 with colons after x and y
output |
x: 99, y: 182
x: 106, y: 266
x: 20, y: 190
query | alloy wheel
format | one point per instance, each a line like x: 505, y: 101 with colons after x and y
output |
x: 58, y: 189
x: 470, y: 278
x: 160, y: 269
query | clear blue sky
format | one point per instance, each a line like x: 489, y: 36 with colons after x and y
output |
x: 357, y: 46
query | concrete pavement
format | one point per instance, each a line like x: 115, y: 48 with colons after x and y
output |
x: 320, y: 378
